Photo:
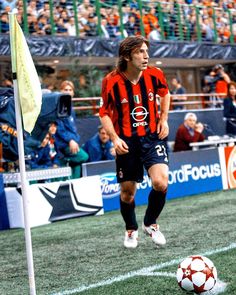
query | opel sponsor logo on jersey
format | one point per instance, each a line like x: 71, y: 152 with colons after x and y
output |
x: 110, y: 188
x: 139, y: 114
x: 188, y: 172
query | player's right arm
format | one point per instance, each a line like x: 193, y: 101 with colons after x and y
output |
x: 105, y: 113
x: 120, y: 145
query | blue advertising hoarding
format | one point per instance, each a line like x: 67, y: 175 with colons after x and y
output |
x: 190, y: 173
x: 194, y: 172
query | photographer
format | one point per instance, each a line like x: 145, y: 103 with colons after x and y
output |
x: 217, y: 81
x: 222, y: 81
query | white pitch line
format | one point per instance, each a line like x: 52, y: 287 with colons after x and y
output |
x: 160, y: 274
x: 142, y: 271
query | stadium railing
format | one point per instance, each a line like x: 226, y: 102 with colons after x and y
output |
x: 193, y: 101
x: 38, y: 174
x: 177, y: 22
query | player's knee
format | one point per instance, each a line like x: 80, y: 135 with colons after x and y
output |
x: 160, y: 184
x: 127, y: 198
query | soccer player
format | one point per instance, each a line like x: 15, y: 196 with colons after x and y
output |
x: 129, y: 113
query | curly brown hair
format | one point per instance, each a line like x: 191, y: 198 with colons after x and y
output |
x: 126, y: 47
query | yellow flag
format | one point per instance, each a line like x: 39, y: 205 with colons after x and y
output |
x: 29, y: 87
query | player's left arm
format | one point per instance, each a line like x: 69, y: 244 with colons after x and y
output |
x: 162, y: 125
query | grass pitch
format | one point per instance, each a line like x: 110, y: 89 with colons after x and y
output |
x: 86, y: 255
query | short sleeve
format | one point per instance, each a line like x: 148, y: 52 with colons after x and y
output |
x: 162, y: 86
x: 104, y: 103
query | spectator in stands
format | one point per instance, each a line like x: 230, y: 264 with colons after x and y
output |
x: 71, y: 28
x: 84, y: 6
x: 136, y: 14
x: 100, y: 147
x: 67, y: 138
x: 230, y: 109
x: 112, y: 29
x: 44, y: 28
x: 131, y: 27
x: 61, y: 28
x: 32, y: 24
x: 150, y: 21
x: 189, y: 131
x: 178, y: 89
x: 40, y: 156
x: 32, y: 8
x: 4, y: 23
x: 104, y: 30
x: 55, y: 156
x: 207, y: 29
x: 222, y: 79
x: 45, y: 9
x: 155, y: 35
x: 125, y: 13
x: 63, y: 4
x: 65, y: 16
x: 224, y: 33
x: 115, y: 15
x: 91, y: 26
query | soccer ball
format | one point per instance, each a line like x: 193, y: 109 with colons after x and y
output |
x: 197, y: 274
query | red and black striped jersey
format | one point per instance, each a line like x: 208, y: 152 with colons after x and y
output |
x: 133, y: 108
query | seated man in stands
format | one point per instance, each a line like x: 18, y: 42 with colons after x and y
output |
x: 189, y: 131
x: 100, y: 147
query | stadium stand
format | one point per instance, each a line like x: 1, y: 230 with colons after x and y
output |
x: 202, y: 21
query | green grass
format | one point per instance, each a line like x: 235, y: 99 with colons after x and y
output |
x: 84, y: 251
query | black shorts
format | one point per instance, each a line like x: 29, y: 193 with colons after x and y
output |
x: 143, y: 152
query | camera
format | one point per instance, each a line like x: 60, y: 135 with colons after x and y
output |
x: 55, y: 105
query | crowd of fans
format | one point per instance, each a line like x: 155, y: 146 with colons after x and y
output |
x: 165, y: 20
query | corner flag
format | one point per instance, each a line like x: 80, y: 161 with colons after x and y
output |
x: 30, y: 94
x: 28, y: 100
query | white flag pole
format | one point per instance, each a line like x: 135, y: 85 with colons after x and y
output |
x: 24, y: 182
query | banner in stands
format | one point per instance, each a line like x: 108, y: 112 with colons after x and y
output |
x: 47, y: 46
x: 228, y: 164
x: 190, y: 173
x: 55, y: 201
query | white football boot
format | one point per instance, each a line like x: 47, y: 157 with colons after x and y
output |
x: 131, y: 239
x: 156, y: 235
